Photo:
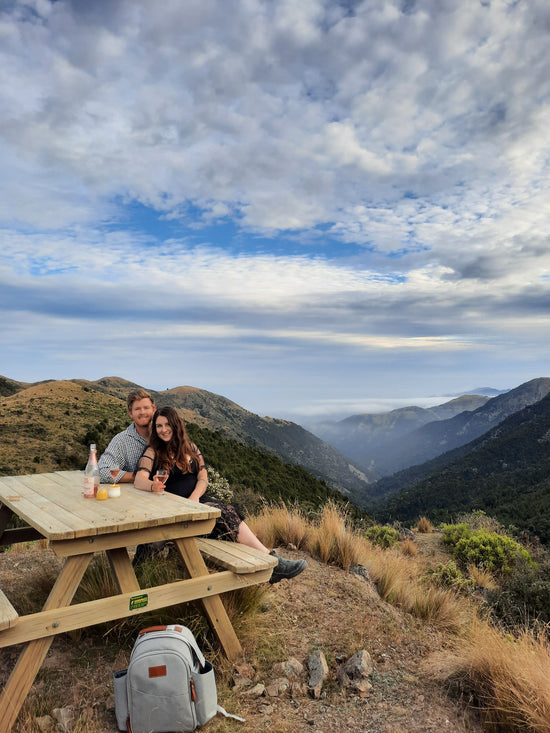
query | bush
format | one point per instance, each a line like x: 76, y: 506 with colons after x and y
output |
x: 489, y: 550
x: 383, y: 536
x: 524, y: 596
x: 449, y: 576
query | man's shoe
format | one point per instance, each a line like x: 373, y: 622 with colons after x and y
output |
x: 286, y: 568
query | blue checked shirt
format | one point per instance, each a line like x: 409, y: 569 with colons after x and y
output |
x: 126, y: 449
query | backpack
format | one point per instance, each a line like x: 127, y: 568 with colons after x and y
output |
x: 168, y: 686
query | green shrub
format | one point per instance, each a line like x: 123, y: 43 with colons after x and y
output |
x: 383, y: 536
x: 452, y: 533
x: 489, y: 550
x: 524, y: 596
x: 449, y: 576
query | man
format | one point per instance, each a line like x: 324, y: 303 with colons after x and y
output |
x: 126, y: 448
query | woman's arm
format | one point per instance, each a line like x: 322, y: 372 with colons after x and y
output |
x: 143, y: 471
x: 202, y: 480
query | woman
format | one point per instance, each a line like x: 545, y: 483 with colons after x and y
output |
x: 171, y: 449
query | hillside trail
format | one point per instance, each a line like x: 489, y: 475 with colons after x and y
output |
x: 325, y: 608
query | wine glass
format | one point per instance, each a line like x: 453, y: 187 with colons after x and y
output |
x: 162, y: 476
x: 114, y: 470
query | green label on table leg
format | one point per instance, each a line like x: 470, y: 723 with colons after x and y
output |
x: 139, y: 601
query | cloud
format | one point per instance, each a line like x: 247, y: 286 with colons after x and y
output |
x: 383, y: 166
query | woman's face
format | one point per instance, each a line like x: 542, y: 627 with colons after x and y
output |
x: 164, y: 431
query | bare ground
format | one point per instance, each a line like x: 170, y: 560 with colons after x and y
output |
x: 324, y: 609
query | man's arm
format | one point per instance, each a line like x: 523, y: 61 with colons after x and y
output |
x: 115, y: 454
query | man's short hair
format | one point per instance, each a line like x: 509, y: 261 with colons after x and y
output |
x: 135, y: 395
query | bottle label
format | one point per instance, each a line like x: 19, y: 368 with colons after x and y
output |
x: 89, y: 486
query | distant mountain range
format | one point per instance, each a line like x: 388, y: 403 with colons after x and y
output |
x: 505, y: 473
x: 49, y: 421
x: 389, y: 442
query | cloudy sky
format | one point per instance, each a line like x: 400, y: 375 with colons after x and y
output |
x: 307, y: 207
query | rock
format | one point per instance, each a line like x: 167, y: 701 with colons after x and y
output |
x: 292, y: 668
x: 318, y: 672
x: 354, y: 674
x: 45, y: 723
x: 239, y: 681
x: 297, y: 689
x: 245, y: 670
x: 281, y: 684
x: 65, y: 718
x: 256, y: 691
x: 360, y: 570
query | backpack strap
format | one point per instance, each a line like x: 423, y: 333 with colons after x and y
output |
x: 229, y: 715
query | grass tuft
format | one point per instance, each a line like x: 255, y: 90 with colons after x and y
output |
x: 509, y: 676
x: 424, y: 526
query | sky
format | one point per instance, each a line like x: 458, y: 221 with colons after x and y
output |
x: 311, y: 208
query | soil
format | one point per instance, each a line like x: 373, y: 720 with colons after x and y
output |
x: 325, y: 608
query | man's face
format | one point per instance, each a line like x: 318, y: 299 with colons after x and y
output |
x: 142, y: 412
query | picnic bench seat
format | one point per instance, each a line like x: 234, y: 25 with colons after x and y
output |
x: 8, y: 614
x: 234, y: 556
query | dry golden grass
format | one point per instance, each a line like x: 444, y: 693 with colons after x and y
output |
x: 424, y: 526
x: 409, y: 548
x: 279, y: 525
x: 333, y: 539
x: 482, y: 578
x: 509, y: 676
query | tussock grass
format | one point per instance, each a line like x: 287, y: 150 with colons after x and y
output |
x: 279, y: 525
x: 482, y: 578
x: 409, y: 548
x: 508, y: 676
x: 424, y: 526
x: 333, y: 539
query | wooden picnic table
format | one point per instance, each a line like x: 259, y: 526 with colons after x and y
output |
x: 53, y: 506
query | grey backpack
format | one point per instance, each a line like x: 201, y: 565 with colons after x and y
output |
x: 168, y: 686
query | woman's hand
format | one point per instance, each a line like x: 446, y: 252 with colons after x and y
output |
x: 158, y: 486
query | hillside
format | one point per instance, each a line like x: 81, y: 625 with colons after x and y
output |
x: 325, y: 608
x: 505, y: 472
x: 285, y: 439
x: 48, y: 426
x: 371, y: 439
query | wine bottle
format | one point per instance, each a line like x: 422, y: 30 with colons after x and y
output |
x: 91, y: 474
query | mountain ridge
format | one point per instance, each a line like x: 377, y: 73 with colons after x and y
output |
x: 285, y: 439
x: 393, y: 441
x: 505, y: 472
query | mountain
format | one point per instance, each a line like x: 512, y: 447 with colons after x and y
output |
x: 372, y: 439
x: 100, y: 407
x: 505, y: 473
x: 436, y: 438
x: 392, y: 447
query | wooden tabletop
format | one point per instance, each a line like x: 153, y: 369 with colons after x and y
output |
x: 53, y: 503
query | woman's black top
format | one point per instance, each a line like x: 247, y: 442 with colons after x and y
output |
x: 181, y: 483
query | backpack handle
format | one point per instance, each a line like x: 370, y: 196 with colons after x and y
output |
x: 152, y: 628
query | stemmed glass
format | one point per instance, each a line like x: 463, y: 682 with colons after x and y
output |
x: 114, y: 470
x: 162, y: 476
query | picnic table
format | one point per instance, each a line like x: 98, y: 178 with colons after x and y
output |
x: 53, y: 507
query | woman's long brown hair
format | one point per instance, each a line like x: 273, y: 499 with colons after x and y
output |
x: 179, y: 449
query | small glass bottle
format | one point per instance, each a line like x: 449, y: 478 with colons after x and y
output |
x: 91, y: 474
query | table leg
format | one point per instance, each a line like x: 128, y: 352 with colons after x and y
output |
x: 123, y: 570
x: 31, y: 658
x: 213, y: 606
